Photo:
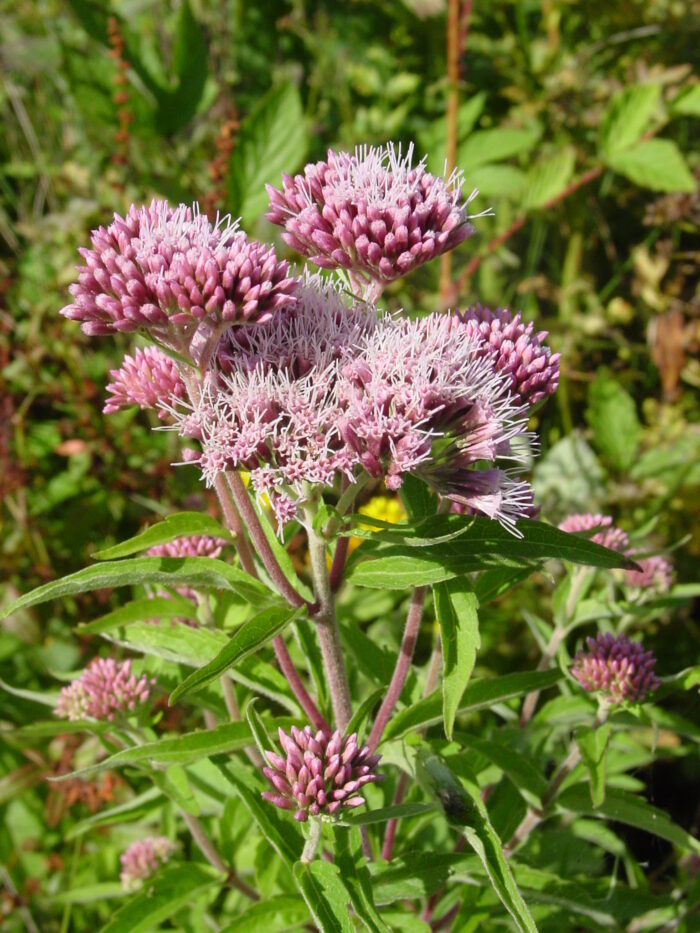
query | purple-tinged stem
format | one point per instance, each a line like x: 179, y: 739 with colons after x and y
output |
x: 403, y: 665
x: 294, y: 680
x: 252, y: 522
x: 338, y: 566
x: 206, y: 846
x: 328, y: 632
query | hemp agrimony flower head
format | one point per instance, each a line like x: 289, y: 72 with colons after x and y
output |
x: 142, y: 858
x: 106, y: 687
x: 608, y: 536
x: 319, y: 774
x: 172, y: 273
x: 188, y: 546
x: 618, y: 668
x: 421, y: 398
x: 656, y: 574
x: 149, y: 379
x: 273, y: 408
x: 516, y: 350
x: 373, y: 213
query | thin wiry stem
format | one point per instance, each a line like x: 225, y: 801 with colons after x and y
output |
x: 208, y: 850
x: 453, y: 37
x: 403, y: 665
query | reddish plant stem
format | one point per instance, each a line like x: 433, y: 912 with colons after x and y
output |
x: 207, y: 848
x: 338, y: 566
x: 453, y: 36
x: 403, y: 664
x: 447, y: 919
x: 294, y: 680
x: 520, y: 222
x: 427, y: 914
x: 233, y: 520
x: 247, y: 512
x: 392, y: 825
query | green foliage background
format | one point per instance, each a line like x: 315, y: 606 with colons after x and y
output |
x: 548, y: 92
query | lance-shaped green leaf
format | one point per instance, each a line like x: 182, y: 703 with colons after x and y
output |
x: 274, y: 915
x: 134, y: 809
x: 384, y: 814
x: 464, y: 807
x: 593, y: 745
x: 356, y: 878
x: 282, y: 834
x: 633, y: 811
x: 174, y: 887
x: 257, y: 727
x: 411, y: 876
x: 526, y: 779
x: 248, y: 639
x: 142, y: 610
x: 47, y: 698
x: 326, y: 896
x: 181, y: 525
x: 456, y: 611
x: 193, y: 746
x: 165, y: 571
x: 479, y: 694
x: 494, y: 583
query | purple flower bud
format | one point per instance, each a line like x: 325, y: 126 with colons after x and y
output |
x: 152, y: 268
x: 618, y: 668
x: 149, y: 379
x: 355, y: 211
x: 516, y: 350
x: 335, y: 767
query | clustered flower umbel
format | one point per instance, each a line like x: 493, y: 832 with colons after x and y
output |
x: 319, y: 774
x: 149, y: 379
x: 656, y: 572
x: 333, y: 386
x: 607, y: 535
x: 373, y: 213
x: 300, y: 384
x: 106, y: 687
x: 142, y: 858
x: 172, y: 273
x: 619, y: 669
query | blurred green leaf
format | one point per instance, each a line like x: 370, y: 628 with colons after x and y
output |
x: 174, y: 887
x: 612, y: 416
x: 548, y: 178
x: 593, y: 745
x: 272, y: 140
x: 486, y: 146
x: 497, y: 181
x: 273, y: 915
x: 657, y: 164
x: 687, y: 103
x: 627, y: 118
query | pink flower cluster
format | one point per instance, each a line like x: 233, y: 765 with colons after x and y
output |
x: 141, y: 860
x: 373, y: 213
x: 333, y: 387
x: 618, y: 668
x: 607, y: 536
x: 187, y: 546
x: 106, y: 687
x: 149, y: 379
x: 656, y: 574
x: 517, y: 350
x: 319, y: 774
x: 170, y: 272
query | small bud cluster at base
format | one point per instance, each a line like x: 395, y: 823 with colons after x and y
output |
x: 141, y: 860
x: 319, y: 774
x: 619, y: 669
